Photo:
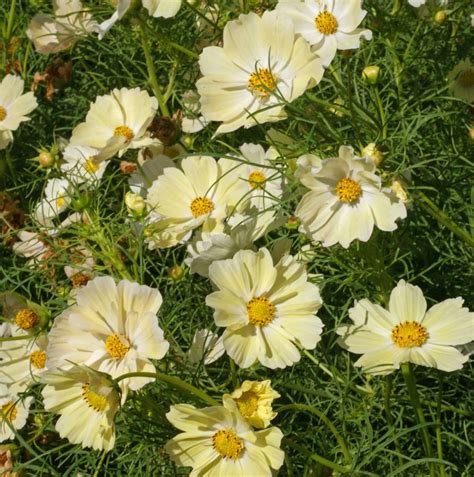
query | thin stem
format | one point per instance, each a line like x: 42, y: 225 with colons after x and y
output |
x: 152, y: 78
x: 318, y: 458
x: 381, y: 109
x: 173, y: 381
x: 388, y: 413
x: 304, y: 407
x: 442, y: 218
x: 11, y: 17
x: 420, y: 417
x: 439, y: 442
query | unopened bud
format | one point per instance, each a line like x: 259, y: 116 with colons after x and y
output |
x: 292, y: 223
x: 440, y: 17
x: 371, y: 74
x: 45, y: 159
x: 399, y: 190
x: 373, y: 153
x: 176, y: 273
x: 135, y: 203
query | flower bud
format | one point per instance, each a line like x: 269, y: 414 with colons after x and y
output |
x: 45, y: 159
x: 440, y: 17
x: 135, y: 203
x: 400, y: 191
x: 292, y: 223
x: 175, y: 273
x: 371, y: 74
x: 373, y: 153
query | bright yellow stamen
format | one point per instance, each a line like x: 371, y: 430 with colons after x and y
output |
x: 227, y: 444
x: 326, y: 23
x: 94, y: 400
x: 348, y: 190
x: 257, y: 180
x: 26, y: 319
x: 60, y: 201
x: 201, y: 206
x: 91, y: 166
x: 9, y: 411
x: 116, y: 346
x: 3, y: 113
x: 38, y: 359
x: 247, y: 403
x: 465, y: 79
x: 260, y: 311
x: 262, y: 82
x: 124, y: 131
x: 409, y: 334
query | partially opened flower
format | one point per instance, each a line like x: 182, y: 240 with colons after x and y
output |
x: 112, y: 328
x: 117, y: 122
x: 261, y: 65
x: 14, y: 106
x: 268, y: 310
x: 201, y: 194
x: 346, y: 200
x: 86, y: 403
x: 327, y: 25
x: 23, y: 362
x: 461, y: 80
x: 53, y: 34
x: 31, y: 245
x: 13, y: 412
x: 219, y: 441
x: 57, y: 197
x: 254, y: 401
x: 206, y: 347
x: 80, y: 165
x: 408, y: 332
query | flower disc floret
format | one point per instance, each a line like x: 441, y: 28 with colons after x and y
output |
x: 116, y: 346
x: 326, y: 23
x: 3, y: 113
x: 227, y: 444
x: 348, y: 190
x: 257, y: 180
x: 124, y: 131
x: 262, y: 82
x: 9, y: 411
x: 261, y: 311
x: 38, y: 359
x: 201, y: 206
x: 26, y: 319
x: 409, y: 334
x: 247, y: 403
x: 93, y: 399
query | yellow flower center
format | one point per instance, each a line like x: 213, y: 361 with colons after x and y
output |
x: 465, y: 79
x: 3, y: 113
x: 116, y: 346
x: 201, y: 206
x: 348, y: 190
x: 93, y: 400
x: 326, y: 23
x: 60, y: 201
x: 227, y: 444
x: 409, y: 334
x: 9, y: 411
x: 247, y: 403
x: 262, y: 82
x: 257, y: 180
x: 38, y: 359
x: 91, y: 166
x: 124, y: 131
x: 26, y: 319
x: 260, y: 311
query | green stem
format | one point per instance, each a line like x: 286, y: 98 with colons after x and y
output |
x: 410, y: 382
x: 152, y: 79
x: 173, y: 381
x: 318, y: 458
x: 11, y: 17
x: 443, y: 219
x: 396, y: 7
x: 439, y: 442
x: 381, y: 109
x: 388, y: 413
x: 304, y: 407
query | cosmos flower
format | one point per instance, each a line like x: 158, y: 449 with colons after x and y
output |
x: 14, y: 412
x: 408, y: 332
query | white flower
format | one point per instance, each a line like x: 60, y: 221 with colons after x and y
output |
x: 14, y: 412
x: 461, y: 80
x: 240, y: 232
x: 346, y: 200
x: 218, y: 441
x: 14, y: 106
x: 268, y: 310
x: 117, y: 122
x: 86, y: 403
x: 416, y: 3
x: 57, y: 199
x: 407, y: 332
x: 54, y: 34
x: 156, y: 8
x: 31, y: 245
x: 206, y: 347
x: 327, y: 25
x: 192, y: 121
x: 201, y: 194
x: 261, y: 64
x: 80, y: 165
x: 23, y: 362
x: 142, y: 179
x: 112, y: 328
